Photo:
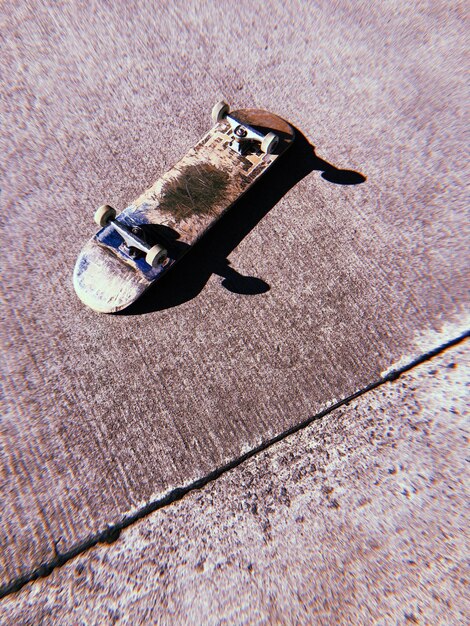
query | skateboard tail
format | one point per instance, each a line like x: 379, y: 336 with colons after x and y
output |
x: 102, y: 285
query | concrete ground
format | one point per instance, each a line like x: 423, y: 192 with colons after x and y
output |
x: 361, y: 517
x: 348, y: 262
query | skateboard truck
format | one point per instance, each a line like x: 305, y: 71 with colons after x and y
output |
x: 244, y: 136
x: 132, y: 236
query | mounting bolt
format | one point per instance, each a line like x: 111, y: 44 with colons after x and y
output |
x: 240, y: 131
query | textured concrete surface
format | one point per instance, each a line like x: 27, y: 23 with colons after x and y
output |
x: 103, y: 415
x: 360, y: 518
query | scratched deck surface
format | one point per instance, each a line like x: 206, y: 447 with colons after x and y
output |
x: 181, y: 205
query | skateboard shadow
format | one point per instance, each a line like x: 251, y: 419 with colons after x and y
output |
x: 186, y: 279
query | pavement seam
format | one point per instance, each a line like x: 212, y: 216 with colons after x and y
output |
x: 112, y: 533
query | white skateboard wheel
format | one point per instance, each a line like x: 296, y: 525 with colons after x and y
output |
x: 156, y: 255
x: 219, y: 111
x: 269, y: 143
x: 104, y: 214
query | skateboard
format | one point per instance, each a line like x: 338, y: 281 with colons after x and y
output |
x: 134, y: 248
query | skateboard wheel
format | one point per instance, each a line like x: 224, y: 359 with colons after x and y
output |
x: 104, y: 214
x: 269, y: 143
x: 156, y: 255
x: 219, y: 111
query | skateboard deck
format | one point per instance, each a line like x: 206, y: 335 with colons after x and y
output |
x: 135, y: 248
